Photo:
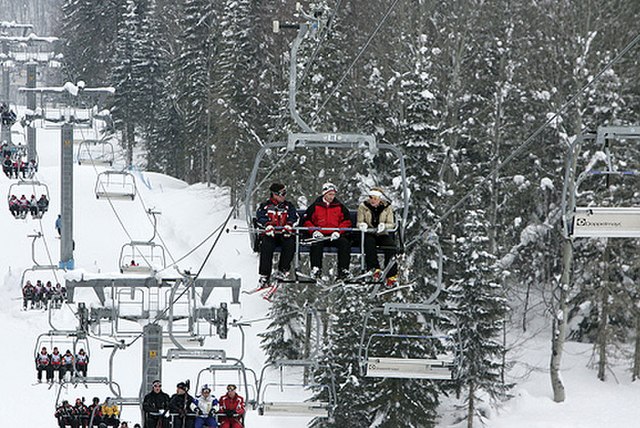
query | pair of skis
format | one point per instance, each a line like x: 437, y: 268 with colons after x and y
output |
x: 269, y: 289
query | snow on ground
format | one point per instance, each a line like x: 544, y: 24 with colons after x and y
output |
x: 188, y: 215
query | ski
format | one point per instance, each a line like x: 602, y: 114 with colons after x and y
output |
x: 394, y: 288
x: 257, y: 289
x: 268, y: 296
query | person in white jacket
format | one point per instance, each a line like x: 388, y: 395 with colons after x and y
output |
x: 206, y: 408
x: 375, y: 218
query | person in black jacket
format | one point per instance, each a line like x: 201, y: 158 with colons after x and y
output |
x: 65, y: 415
x: 277, y: 216
x: 154, y: 405
x: 182, y: 407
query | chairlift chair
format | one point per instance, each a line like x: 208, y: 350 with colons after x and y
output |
x: 309, y: 408
x: 44, y: 273
x: 95, y: 152
x: 440, y: 362
x: 116, y: 185
x: 592, y: 221
x: 29, y: 187
x: 229, y: 370
x: 74, y: 340
x: 142, y: 257
x: 302, y: 145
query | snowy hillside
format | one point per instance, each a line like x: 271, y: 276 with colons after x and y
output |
x: 188, y: 215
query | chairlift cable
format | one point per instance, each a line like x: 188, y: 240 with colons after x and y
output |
x: 527, y: 142
x: 364, y: 47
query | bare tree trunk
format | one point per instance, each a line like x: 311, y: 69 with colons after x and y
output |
x: 636, y: 359
x: 471, y: 407
x: 525, y: 309
x: 601, y: 338
x: 129, y: 141
x: 559, y: 324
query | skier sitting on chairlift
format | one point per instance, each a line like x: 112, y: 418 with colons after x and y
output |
x: 328, y: 212
x: 33, y: 207
x: 14, y: 206
x: 206, y: 409
x: 375, y: 213
x: 65, y: 415
x: 82, y: 362
x: 7, y: 166
x: 231, y: 409
x: 277, y: 216
x: 43, y: 204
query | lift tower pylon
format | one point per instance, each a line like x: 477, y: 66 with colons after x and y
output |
x: 72, y: 95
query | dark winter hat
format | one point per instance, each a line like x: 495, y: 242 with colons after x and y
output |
x: 181, y: 385
x: 96, y: 400
x: 329, y: 187
x: 156, y: 383
x: 277, y: 188
x: 231, y: 387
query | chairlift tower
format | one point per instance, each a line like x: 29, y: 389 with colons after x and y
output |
x: 16, y: 52
x: 71, y: 95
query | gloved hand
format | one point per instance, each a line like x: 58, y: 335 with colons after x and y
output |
x: 317, y: 234
x: 288, y: 230
x: 270, y: 230
x: 229, y: 413
x: 335, y: 235
x: 381, y: 227
x: 363, y: 227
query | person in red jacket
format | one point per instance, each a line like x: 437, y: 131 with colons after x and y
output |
x: 231, y: 409
x: 329, y: 213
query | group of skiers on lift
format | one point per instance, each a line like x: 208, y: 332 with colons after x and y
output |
x: 181, y: 410
x: 328, y: 223
x: 106, y: 414
x: 20, y: 207
x: 57, y: 364
x: 43, y: 296
x: 17, y: 167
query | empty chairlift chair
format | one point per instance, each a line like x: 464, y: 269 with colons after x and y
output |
x: 116, y: 185
x: 416, y: 356
x: 272, y: 403
x: 95, y: 152
x: 593, y: 219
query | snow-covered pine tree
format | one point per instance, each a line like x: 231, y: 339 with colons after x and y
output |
x: 340, y: 354
x: 285, y: 336
x: 88, y: 33
x: 237, y: 104
x: 125, y: 77
x: 479, y: 305
x: 193, y: 86
x: 159, y: 128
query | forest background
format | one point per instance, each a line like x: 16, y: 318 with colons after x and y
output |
x: 459, y: 86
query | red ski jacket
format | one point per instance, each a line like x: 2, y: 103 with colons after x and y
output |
x: 321, y: 214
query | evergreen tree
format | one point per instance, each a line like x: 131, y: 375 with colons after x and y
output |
x: 193, y: 85
x: 126, y: 78
x: 479, y: 306
x: 285, y: 337
x: 88, y: 39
